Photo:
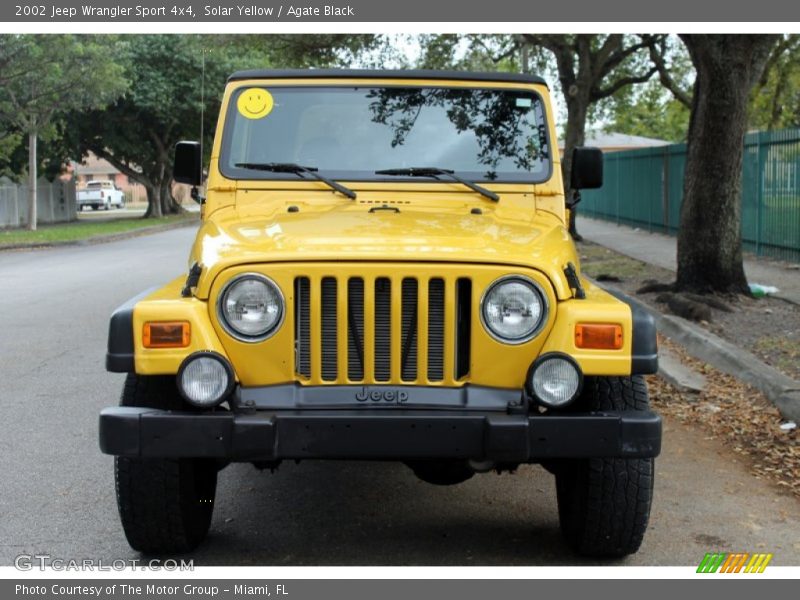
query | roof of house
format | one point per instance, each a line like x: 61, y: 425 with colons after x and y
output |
x: 93, y: 165
x: 612, y: 139
x: 383, y: 74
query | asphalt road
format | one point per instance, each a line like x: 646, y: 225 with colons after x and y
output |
x: 57, y: 490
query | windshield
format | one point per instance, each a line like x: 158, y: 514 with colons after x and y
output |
x: 351, y: 132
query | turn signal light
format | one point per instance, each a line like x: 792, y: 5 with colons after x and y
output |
x: 598, y: 336
x: 173, y: 334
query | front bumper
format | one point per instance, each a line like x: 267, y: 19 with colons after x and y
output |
x: 397, y: 434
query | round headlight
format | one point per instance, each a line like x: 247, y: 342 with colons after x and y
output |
x: 251, y: 307
x: 513, y: 309
x: 205, y: 379
x: 555, y: 380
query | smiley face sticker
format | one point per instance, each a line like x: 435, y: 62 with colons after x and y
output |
x: 255, y: 103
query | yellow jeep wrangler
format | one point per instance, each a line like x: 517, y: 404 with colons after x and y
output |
x: 383, y: 272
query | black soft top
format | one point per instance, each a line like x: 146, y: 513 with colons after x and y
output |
x: 385, y: 74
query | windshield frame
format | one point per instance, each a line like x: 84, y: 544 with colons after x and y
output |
x: 240, y: 174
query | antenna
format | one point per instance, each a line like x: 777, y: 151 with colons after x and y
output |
x: 195, y: 193
x: 202, y: 101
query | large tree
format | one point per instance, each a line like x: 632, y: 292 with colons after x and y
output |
x: 709, y: 237
x: 10, y: 140
x: 43, y: 77
x: 136, y: 133
x: 53, y: 153
x: 650, y: 109
x: 652, y: 113
x: 775, y: 100
x: 305, y: 51
x: 591, y: 68
x: 167, y: 97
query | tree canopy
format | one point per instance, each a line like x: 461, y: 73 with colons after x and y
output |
x: 128, y: 99
x: 136, y: 133
x: 173, y: 80
x: 42, y: 78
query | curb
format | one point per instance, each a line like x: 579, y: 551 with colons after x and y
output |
x: 780, y: 389
x: 99, y: 239
x: 681, y: 377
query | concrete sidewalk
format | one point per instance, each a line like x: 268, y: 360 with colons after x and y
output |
x: 660, y: 250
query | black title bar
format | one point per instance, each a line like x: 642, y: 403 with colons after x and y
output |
x: 466, y: 11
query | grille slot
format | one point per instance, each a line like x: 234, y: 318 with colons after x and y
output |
x: 408, y: 329
x: 329, y: 347
x: 355, y: 329
x: 463, y: 326
x: 302, y: 333
x: 436, y: 329
x: 383, y: 329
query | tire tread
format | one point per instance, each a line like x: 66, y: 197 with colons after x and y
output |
x: 604, y: 503
x: 165, y: 505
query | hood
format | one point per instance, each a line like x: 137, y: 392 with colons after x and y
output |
x: 378, y: 231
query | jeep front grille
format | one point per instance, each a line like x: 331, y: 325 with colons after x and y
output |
x: 382, y: 329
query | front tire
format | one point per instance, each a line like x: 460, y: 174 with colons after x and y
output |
x: 165, y: 504
x: 604, y: 503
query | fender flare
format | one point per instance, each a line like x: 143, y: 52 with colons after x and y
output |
x: 644, y: 347
x: 120, y: 357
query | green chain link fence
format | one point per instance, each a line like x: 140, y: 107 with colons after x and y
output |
x: 643, y: 188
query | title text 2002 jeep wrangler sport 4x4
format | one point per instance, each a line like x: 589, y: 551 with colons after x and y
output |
x: 383, y: 272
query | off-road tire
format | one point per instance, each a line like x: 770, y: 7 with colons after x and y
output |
x: 604, y: 503
x: 165, y: 505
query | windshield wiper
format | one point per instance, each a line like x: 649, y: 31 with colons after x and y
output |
x: 435, y: 172
x: 298, y: 170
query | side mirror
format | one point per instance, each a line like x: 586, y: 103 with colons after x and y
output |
x: 188, y: 163
x: 587, y: 168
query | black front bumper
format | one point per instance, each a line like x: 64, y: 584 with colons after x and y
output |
x: 397, y: 434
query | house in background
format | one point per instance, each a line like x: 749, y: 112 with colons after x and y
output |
x: 94, y: 168
x: 616, y: 142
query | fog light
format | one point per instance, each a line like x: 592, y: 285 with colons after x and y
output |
x: 555, y: 380
x: 205, y: 379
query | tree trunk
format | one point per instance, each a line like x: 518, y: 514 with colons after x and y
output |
x: 160, y: 201
x: 709, y: 237
x: 169, y: 206
x: 153, y: 202
x: 163, y: 195
x: 596, y: 78
x: 575, y: 135
x: 33, y: 177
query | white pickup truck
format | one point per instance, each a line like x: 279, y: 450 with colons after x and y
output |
x: 100, y: 194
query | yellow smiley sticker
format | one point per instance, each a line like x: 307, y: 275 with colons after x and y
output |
x: 255, y: 103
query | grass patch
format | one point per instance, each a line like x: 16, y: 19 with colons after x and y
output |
x: 780, y: 351
x: 597, y: 260
x: 84, y: 230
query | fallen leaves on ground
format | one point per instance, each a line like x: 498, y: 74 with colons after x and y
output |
x: 738, y: 415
